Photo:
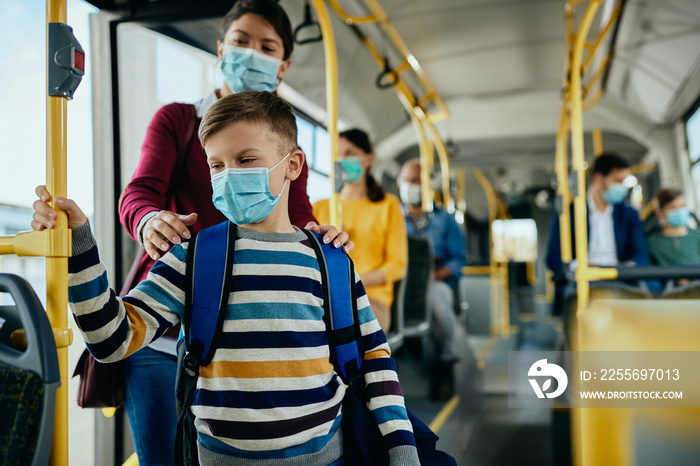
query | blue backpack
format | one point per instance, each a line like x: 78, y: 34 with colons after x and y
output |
x: 208, y: 280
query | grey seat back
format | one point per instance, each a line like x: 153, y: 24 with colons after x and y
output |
x: 28, y: 377
x: 415, y: 300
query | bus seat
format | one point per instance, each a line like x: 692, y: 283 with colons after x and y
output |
x: 396, y: 333
x: 687, y: 291
x: 29, y: 377
x: 599, y: 290
x: 475, y: 301
x: 415, y: 297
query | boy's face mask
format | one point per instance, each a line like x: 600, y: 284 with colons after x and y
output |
x: 615, y: 194
x: 678, y: 217
x: 243, y: 194
x: 352, y: 168
x: 249, y: 70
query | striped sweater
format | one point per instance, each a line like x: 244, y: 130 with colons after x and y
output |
x: 270, y: 392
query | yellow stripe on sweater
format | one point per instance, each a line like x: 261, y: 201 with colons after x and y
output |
x: 267, y: 369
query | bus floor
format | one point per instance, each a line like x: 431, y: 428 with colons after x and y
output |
x: 476, y: 426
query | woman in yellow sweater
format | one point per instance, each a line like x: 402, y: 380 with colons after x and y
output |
x: 374, y: 221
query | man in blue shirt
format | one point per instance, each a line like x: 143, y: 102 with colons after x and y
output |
x: 615, y: 233
x: 450, y: 249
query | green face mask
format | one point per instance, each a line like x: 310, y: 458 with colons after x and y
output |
x: 352, y: 168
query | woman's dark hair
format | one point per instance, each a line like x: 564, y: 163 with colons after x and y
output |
x: 667, y: 195
x: 271, y: 11
x: 375, y: 192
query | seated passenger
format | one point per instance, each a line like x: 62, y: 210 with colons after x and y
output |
x: 450, y: 248
x: 675, y: 244
x: 245, y: 415
x: 374, y: 221
x: 615, y: 233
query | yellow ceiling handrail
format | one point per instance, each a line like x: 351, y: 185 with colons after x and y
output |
x: 379, y: 16
x: 601, y: 36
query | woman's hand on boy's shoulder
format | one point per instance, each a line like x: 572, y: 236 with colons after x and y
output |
x: 45, y: 216
x: 331, y: 233
x: 163, y: 228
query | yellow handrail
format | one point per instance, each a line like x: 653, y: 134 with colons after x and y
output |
x: 593, y: 48
x: 578, y: 155
x: 379, y: 16
x: 426, y: 162
x: 57, y: 267
x: 561, y: 167
x: 500, y: 302
x: 331, y: 57
x: 597, y: 136
x: 417, y: 106
x: 461, y: 190
x: 445, y: 169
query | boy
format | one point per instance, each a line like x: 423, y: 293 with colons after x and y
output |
x: 270, y: 393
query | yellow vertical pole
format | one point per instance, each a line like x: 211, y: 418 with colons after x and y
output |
x: 597, y: 142
x: 445, y: 169
x: 426, y: 162
x: 57, y: 267
x: 561, y: 167
x: 581, y: 442
x: 331, y: 56
x: 578, y: 162
x: 495, y: 281
x: 461, y: 203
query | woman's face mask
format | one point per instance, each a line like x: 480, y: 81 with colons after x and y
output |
x: 243, y: 194
x: 615, y: 194
x: 249, y: 70
x: 352, y: 166
x: 678, y: 217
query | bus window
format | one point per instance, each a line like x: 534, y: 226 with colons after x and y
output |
x: 514, y: 240
x: 313, y: 140
x: 155, y: 70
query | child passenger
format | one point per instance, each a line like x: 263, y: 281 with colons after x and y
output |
x: 270, y: 393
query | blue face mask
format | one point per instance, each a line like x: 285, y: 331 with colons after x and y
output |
x: 249, y: 70
x: 678, y: 217
x: 243, y: 194
x: 352, y: 168
x: 616, y: 194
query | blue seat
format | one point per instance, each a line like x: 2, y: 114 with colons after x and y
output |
x: 29, y: 377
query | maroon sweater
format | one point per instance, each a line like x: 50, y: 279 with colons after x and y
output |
x: 192, y: 189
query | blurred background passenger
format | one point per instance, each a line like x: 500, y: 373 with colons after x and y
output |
x: 373, y: 219
x: 449, y: 246
x: 615, y: 232
x: 675, y: 243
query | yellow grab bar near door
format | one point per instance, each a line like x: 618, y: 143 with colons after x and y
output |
x: 55, y: 245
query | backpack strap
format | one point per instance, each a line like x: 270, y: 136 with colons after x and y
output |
x: 340, y: 309
x: 208, y: 279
